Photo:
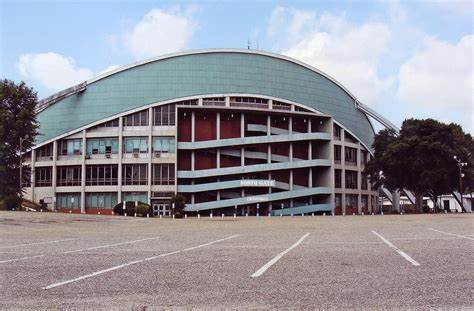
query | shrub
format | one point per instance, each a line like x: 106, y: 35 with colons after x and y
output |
x: 10, y: 202
x: 142, y: 209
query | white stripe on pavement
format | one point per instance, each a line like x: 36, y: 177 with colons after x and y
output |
x: 265, y: 267
x: 453, y: 234
x: 22, y: 258
x: 109, y: 245
x: 37, y: 243
x: 134, y: 263
x: 399, y: 251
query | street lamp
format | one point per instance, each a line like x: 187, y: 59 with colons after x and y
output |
x: 22, y: 139
x: 461, y: 164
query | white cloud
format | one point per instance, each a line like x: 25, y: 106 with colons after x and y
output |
x: 349, y: 53
x: 109, y: 68
x: 160, y: 32
x: 51, y: 70
x: 440, y: 75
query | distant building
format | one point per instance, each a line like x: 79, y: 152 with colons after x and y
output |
x: 231, y: 130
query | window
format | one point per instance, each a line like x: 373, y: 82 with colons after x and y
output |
x: 338, y: 200
x: 101, y: 175
x: 351, y: 179
x: 44, y: 152
x: 213, y: 101
x: 134, y: 174
x: 26, y: 176
x: 364, y: 201
x: 281, y: 106
x: 112, y: 123
x: 136, y: 119
x: 337, y: 154
x: 337, y: 178
x: 163, y: 174
x: 164, y: 144
x: 337, y: 132
x: 135, y: 196
x: 363, y: 184
x: 102, y: 146
x: 68, y: 200
x: 101, y: 200
x: 350, y: 155
x: 352, y: 201
x: 164, y: 115
x: 135, y: 144
x: 70, y: 147
x: 69, y: 175
x: 43, y: 176
x: 364, y: 157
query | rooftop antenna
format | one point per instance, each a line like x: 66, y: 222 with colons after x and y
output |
x: 248, y: 44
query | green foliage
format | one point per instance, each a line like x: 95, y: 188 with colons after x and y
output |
x: 420, y: 159
x: 17, y: 120
x: 179, y: 202
x: 142, y: 209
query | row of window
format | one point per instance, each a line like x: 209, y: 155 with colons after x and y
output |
x: 161, y: 144
x: 351, y: 201
x: 350, y: 155
x: 97, y: 200
x: 103, y: 175
x: 350, y: 177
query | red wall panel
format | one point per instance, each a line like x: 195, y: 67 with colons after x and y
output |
x: 205, y: 128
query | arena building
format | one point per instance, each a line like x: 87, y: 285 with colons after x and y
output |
x: 234, y: 131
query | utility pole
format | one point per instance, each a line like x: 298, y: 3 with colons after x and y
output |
x: 461, y: 175
x: 22, y: 139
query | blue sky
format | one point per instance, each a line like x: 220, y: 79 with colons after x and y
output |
x: 404, y: 59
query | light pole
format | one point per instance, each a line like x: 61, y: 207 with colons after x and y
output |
x: 22, y: 139
x: 461, y: 164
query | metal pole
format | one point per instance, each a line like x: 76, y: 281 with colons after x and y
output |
x: 21, y: 174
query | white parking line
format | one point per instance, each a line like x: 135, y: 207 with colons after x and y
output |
x: 399, y: 251
x: 37, y: 243
x: 134, y: 263
x: 265, y: 267
x: 453, y: 234
x: 19, y: 259
x: 109, y: 245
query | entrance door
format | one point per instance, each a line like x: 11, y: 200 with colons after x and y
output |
x: 161, y: 209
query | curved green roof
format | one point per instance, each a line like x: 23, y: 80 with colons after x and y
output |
x: 200, y: 73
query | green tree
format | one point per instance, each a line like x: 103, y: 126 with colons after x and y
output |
x: 420, y: 158
x: 179, y: 202
x: 17, y: 121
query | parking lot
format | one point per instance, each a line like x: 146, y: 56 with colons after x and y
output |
x: 84, y: 261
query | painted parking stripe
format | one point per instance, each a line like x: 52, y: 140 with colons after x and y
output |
x: 399, y: 251
x: 453, y: 234
x: 37, y: 243
x: 19, y: 259
x: 265, y: 267
x: 108, y: 245
x: 135, y: 262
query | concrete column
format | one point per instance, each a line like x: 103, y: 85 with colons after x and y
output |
x: 54, y: 172
x: 83, y: 173
x: 269, y: 126
x: 359, y: 181
x: 150, y: 154
x: 218, y: 158
x: 192, y: 161
x: 120, y: 156
x: 291, y: 180
x: 227, y: 101
x: 200, y: 101
x: 218, y: 125
x: 242, y: 125
x: 290, y: 125
x: 270, y: 104
x: 242, y: 156
x: 32, y: 176
x: 310, y: 178
x: 269, y: 154
x: 193, y: 124
x: 396, y: 201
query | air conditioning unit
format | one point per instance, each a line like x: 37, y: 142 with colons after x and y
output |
x: 136, y: 152
x: 88, y: 156
x: 51, y: 158
x: 107, y: 155
x: 157, y: 154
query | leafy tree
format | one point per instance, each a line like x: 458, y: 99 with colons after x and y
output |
x: 17, y: 120
x: 179, y: 202
x: 420, y: 158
